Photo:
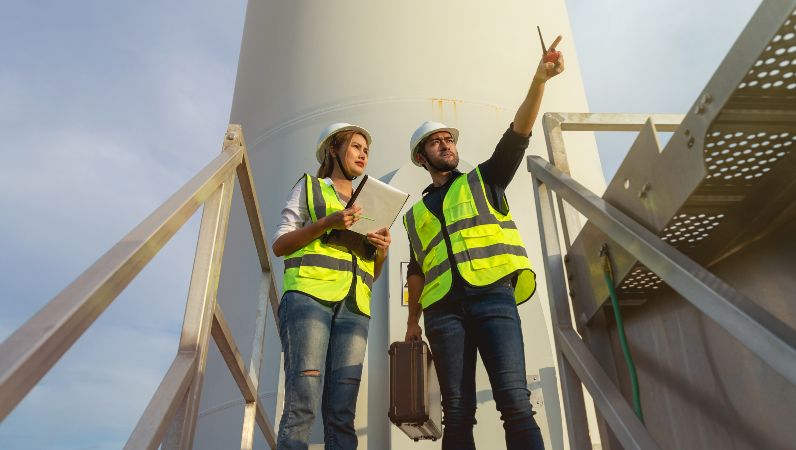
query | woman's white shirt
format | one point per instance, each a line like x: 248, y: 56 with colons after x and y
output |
x: 296, y: 213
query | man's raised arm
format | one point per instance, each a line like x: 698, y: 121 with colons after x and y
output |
x: 551, y: 64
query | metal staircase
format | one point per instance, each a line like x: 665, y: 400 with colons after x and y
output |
x: 720, y: 197
x: 170, y: 418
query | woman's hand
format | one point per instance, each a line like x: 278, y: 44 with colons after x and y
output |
x: 342, y: 220
x: 381, y: 240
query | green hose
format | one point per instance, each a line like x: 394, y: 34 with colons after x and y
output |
x: 620, y: 327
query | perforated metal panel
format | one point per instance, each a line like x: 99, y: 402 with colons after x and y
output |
x: 742, y: 147
x: 729, y: 159
x: 639, y: 280
x: 691, y: 229
x: 776, y: 67
x: 742, y: 157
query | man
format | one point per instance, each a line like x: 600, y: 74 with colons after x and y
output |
x: 469, y: 271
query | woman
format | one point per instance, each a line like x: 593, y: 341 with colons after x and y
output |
x: 325, y: 308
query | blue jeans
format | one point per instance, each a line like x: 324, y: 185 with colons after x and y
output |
x: 324, y: 346
x: 490, y: 324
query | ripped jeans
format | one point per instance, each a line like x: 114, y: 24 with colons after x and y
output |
x: 324, y: 348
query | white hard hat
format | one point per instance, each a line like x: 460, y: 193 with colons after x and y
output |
x: 331, y: 130
x: 423, y: 131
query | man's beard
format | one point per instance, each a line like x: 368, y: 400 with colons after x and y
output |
x: 444, y: 165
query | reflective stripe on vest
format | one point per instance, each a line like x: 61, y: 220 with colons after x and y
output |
x: 428, y: 245
x: 323, y: 271
x: 485, y: 244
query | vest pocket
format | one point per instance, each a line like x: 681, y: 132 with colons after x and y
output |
x: 318, y: 273
x: 487, y: 263
x: 432, y: 285
x: 477, y: 242
x: 433, y: 254
x: 482, y: 235
x: 462, y: 210
x: 427, y: 228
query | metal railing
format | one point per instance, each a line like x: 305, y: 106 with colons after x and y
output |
x: 170, y: 417
x: 765, y: 335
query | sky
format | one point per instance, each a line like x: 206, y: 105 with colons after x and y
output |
x: 107, y: 108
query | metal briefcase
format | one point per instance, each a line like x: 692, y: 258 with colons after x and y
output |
x: 415, y: 405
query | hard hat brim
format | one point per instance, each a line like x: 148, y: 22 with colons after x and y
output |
x: 320, y: 151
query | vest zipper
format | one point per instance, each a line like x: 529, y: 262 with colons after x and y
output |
x: 448, y: 246
x: 456, y: 288
x: 352, y: 289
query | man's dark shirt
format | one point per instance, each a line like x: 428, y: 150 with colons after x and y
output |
x: 497, y: 172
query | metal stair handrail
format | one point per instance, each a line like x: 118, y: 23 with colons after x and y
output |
x: 170, y: 417
x: 765, y: 335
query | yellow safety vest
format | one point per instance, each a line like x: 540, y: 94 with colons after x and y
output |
x: 484, y: 244
x: 325, y: 271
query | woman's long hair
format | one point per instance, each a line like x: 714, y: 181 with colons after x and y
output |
x: 339, y: 142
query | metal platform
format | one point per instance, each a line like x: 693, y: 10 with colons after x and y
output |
x: 732, y: 154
